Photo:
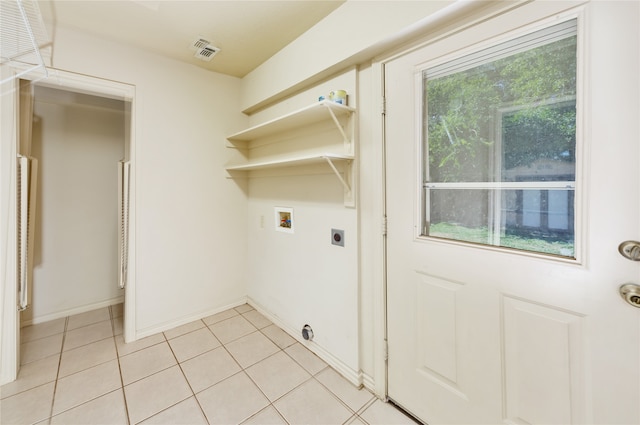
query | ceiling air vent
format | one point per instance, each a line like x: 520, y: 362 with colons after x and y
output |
x: 204, y: 49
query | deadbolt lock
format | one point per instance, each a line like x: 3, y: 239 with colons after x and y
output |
x: 630, y: 250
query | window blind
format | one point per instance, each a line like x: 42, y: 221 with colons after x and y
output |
x: 526, y: 42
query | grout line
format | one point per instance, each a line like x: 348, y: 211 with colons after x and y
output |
x: 55, y: 385
x: 199, y: 406
x: 355, y: 415
x: 367, y: 405
x: 334, y: 394
x: 121, y: 388
x: 115, y: 343
x: 185, y: 333
x: 255, y: 329
x: 351, y: 419
x: 193, y: 393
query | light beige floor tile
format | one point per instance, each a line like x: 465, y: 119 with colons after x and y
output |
x: 87, y: 356
x: 312, y: 363
x: 106, y: 409
x: 243, y: 308
x: 277, y: 375
x: 231, y: 329
x: 128, y: 348
x: 232, y: 400
x: 186, y: 412
x: 345, y: 390
x: 88, y: 318
x: 155, y: 393
x: 219, y: 317
x: 257, y: 319
x: 193, y: 344
x: 81, y: 387
x: 311, y: 403
x: 156, y: 389
x: 267, y: 416
x: 27, y: 407
x: 184, y: 329
x: 32, y: 375
x: 117, y: 310
x: 87, y: 334
x: 209, y: 368
x: 252, y: 348
x: 42, y: 330
x: 277, y: 335
x: 381, y: 413
x: 40, y: 348
x: 143, y: 363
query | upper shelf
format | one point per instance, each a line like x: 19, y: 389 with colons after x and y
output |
x: 302, y: 117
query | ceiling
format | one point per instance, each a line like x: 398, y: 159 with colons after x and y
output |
x: 247, y: 32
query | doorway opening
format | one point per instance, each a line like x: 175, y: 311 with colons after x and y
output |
x: 73, y: 85
x: 77, y: 140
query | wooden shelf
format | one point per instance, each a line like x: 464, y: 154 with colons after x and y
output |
x: 290, y: 162
x: 316, y: 113
x: 312, y: 114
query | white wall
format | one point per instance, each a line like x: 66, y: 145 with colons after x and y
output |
x: 301, y: 278
x: 351, y: 36
x: 353, y: 33
x: 77, y: 140
x: 192, y: 228
x: 190, y: 220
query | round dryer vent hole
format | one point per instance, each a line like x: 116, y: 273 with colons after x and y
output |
x: 307, y: 333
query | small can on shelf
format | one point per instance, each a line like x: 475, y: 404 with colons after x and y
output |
x: 338, y: 96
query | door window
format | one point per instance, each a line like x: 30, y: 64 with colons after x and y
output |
x: 499, y: 128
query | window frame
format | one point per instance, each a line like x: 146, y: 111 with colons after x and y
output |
x: 579, y: 208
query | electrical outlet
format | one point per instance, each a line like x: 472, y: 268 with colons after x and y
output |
x: 337, y: 237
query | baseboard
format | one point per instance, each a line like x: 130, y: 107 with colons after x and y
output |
x: 368, y: 382
x: 353, y: 376
x: 71, y: 312
x: 143, y: 333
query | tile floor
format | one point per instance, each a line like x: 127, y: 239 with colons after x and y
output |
x: 230, y: 368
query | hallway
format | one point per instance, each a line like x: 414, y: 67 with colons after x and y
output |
x: 230, y: 368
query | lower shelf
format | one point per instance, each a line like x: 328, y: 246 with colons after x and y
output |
x: 330, y: 159
x: 290, y: 162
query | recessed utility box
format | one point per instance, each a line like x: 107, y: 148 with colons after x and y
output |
x: 337, y: 237
x: 284, y: 219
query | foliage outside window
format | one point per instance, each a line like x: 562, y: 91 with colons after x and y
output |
x: 500, y: 144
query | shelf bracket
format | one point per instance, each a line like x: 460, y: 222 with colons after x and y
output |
x: 345, y: 137
x: 335, y: 170
x: 348, y: 193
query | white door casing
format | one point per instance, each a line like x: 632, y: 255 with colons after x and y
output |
x: 10, y: 316
x: 10, y: 324
x: 484, y: 335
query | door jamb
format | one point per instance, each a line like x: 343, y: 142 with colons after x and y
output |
x: 126, y: 92
x: 379, y: 299
x: 9, y: 344
x: 104, y: 88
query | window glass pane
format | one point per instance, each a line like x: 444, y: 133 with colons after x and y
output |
x: 533, y: 220
x: 500, y: 141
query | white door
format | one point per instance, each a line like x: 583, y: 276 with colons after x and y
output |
x: 535, y: 333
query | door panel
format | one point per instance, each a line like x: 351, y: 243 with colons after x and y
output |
x: 480, y: 334
x: 542, y: 348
